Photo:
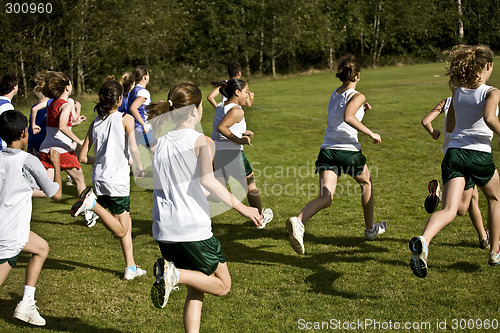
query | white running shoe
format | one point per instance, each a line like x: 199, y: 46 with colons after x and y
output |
x: 69, y: 181
x: 378, y: 228
x: 130, y: 275
x: 29, y: 313
x: 494, y: 259
x: 86, y: 202
x: 419, y: 252
x: 268, y: 217
x: 296, y: 234
x: 90, y: 218
x: 166, y: 281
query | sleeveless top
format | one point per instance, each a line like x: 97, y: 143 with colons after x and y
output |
x: 339, y: 134
x: 111, y: 175
x: 54, y: 137
x: 446, y: 135
x: 221, y: 142
x: 5, y: 105
x: 142, y: 109
x: 471, y: 131
x: 35, y: 140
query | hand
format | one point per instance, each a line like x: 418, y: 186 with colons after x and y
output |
x: 435, y: 134
x: 146, y: 128
x: 253, y: 214
x: 249, y: 134
x: 376, y: 138
x: 245, y: 140
x: 139, y: 173
x: 36, y: 129
x: 54, y: 157
x: 251, y: 95
x: 79, y: 120
x: 367, y: 106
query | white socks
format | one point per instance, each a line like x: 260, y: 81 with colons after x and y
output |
x: 29, y: 294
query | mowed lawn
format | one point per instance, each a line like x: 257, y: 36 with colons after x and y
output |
x: 341, y: 278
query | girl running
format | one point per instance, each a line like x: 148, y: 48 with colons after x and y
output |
x: 229, y: 131
x: 37, y: 128
x: 182, y: 169
x: 138, y: 99
x: 127, y: 80
x: 341, y: 153
x: 472, y: 120
x: 470, y: 197
x: 111, y: 133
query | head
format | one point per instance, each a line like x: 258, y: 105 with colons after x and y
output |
x: 127, y: 80
x: 233, y: 88
x: 180, y: 96
x: 37, y: 91
x: 467, y: 63
x: 55, y: 84
x: 8, y: 84
x: 141, y: 74
x: 348, y: 69
x: 234, y: 70
x: 110, y: 97
x: 14, y: 127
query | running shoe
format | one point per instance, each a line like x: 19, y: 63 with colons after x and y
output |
x: 435, y: 196
x: 296, y: 234
x: 268, y: 217
x: 29, y: 313
x: 419, y: 251
x: 166, y: 281
x: 378, y: 229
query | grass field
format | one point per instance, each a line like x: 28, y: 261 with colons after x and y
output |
x: 341, y: 277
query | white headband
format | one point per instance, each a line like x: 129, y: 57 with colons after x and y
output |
x: 170, y: 102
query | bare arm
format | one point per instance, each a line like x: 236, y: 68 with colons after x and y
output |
x: 76, y: 112
x: 128, y: 125
x: 433, y: 114
x: 350, y: 117
x: 212, y: 95
x: 490, y: 116
x: 54, y: 157
x: 34, y: 110
x: 63, y: 124
x: 134, y: 111
x: 232, y: 117
x: 83, y: 156
x: 250, y: 99
x: 208, y: 180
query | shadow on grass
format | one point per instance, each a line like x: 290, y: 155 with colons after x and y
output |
x: 463, y: 266
x: 63, y: 265
x: 322, y: 281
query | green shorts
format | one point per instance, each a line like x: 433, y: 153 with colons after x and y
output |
x: 475, y: 166
x: 12, y: 261
x: 231, y: 163
x: 203, y: 256
x: 351, y: 163
x: 116, y: 205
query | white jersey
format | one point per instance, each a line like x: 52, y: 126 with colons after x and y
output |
x: 221, y: 142
x: 20, y: 173
x: 446, y: 135
x: 471, y: 132
x: 5, y: 105
x: 339, y: 134
x: 180, y: 209
x: 111, y: 175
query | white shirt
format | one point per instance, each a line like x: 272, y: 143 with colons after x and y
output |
x: 111, y: 175
x: 471, y: 132
x: 339, y: 134
x: 20, y: 173
x: 221, y: 142
x: 5, y: 107
x: 180, y: 209
x: 446, y: 135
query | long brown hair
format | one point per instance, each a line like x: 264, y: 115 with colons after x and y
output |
x: 466, y: 64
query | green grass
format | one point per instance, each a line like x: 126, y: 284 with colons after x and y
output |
x: 341, y: 276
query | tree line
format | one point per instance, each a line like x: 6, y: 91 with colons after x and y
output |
x: 195, y: 39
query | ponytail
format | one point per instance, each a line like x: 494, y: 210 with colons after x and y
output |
x: 228, y: 88
x: 179, y: 97
x: 109, y: 94
x: 348, y: 68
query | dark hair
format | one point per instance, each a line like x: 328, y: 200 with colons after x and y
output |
x: 54, y: 83
x: 181, y: 95
x: 109, y: 94
x: 127, y: 80
x: 467, y: 63
x: 348, y: 68
x: 233, y: 68
x: 12, y: 125
x: 228, y: 88
x: 139, y: 72
x: 7, y: 83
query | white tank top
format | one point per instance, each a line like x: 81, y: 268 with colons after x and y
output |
x: 339, y: 134
x: 180, y: 209
x: 446, y: 135
x: 471, y: 132
x: 221, y: 142
x: 111, y: 175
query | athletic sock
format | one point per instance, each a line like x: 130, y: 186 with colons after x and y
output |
x: 29, y: 294
x: 132, y: 268
x: 177, y: 274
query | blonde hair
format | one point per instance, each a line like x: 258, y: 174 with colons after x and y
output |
x: 466, y: 64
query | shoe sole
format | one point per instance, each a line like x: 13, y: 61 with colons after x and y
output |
x: 294, y: 242
x: 494, y: 263
x: 26, y: 319
x: 85, y: 192
x: 76, y: 207
x: 417, y: 265
x: 158, y: 288
x: 269, y: 218
x: 431, y: 203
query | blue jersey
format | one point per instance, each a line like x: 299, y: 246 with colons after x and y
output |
x: 124, y: 106
x: 35, y: 140
x: 142, y: 109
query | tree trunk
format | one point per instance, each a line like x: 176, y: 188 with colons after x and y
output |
x: 273, y: 46
x: 23, y: 74
x: 460, y: 22
x: 376, y: 28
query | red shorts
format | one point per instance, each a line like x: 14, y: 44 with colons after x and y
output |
x: 68, y: 160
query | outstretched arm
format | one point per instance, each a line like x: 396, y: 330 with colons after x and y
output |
x: 350, y: 117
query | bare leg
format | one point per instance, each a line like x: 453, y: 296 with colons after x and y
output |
x: 365, y: 181
x: 4, y: 271
x: 119, y: 227
x: 40, y: 250
x: 192, y: 310
x: 492, y: 193
x: 126, y: 241
x: 327, y: 184
x: 452, y: 193
x: 475, y: 214
x: 253, y: 196
x: 217, y: 284
x: 77, y: 176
